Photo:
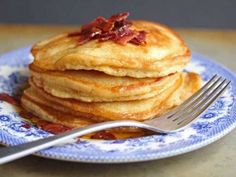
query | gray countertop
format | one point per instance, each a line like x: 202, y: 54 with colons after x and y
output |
x: 215, y: 160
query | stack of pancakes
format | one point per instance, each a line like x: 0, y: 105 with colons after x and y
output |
x: 78, y: 85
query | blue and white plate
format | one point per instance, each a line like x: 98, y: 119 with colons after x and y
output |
x: 219, y: 120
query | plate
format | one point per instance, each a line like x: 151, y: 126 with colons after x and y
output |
x: 219, y: 120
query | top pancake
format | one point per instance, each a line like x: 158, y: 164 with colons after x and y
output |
x: 163, y: 54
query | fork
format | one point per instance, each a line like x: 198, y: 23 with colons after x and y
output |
x: 172, y: 121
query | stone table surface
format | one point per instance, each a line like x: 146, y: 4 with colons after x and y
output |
x: 215, y: 160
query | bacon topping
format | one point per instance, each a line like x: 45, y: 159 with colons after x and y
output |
x: 9, y: 99
x: 103, y: 135
x: 52, y: 127
x: 25, y: 125
x: 116, y: 28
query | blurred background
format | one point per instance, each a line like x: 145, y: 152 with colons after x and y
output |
x: 176, y: 13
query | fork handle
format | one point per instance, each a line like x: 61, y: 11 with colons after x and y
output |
x: 8, y: 154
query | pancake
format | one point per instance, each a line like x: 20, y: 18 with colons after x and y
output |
x: 164, y: 53
x: 42, y: 112
x: 55, y: 116
x: 139, y: 110
x: 94, y: 86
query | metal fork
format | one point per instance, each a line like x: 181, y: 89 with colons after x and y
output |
x: 172, y: 121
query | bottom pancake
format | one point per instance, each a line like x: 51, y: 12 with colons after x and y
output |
x: 52, y: 115
x: 41, y: 112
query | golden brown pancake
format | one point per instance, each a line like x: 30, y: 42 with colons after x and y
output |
x: 163, y: 54
x: 54, y: 116
x: 94, y: 86
x: 139, y: 110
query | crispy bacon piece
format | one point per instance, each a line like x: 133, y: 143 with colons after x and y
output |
x: 25, y: 125
x: 124, y: 23
x: 139, y: 39
x: 27, y: 115
x: 52, y: 127
x: 43, y: 124
x: 57, y: 128
x: 119, y: 17
x: 103, y: 135
x: 9, y: 99
x: 107, y: 36
x: 98, y: 22
x: 116, y: 28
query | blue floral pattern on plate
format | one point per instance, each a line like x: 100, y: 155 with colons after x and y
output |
x: 219, y: 120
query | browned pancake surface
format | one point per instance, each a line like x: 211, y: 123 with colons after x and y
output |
x: 164, y: 53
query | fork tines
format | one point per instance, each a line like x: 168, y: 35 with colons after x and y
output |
x: 199, y: 102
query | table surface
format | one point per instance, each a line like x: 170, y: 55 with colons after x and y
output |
x: 215, y: 160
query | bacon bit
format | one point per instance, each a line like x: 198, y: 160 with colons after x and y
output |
x: 98, y: 22
x: 52, y: 127
x: 139, y: 38
x: 42, y: 123
x: 57, y: 128
x: 106, y: 36
x: 29, y: 116
x: 118, y: 17
x: 103, y: 135
x: 27, y: 126
x: 9, y: 99
x: 126, y: 35
x: 83, y: 40
x: 115, y: 28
